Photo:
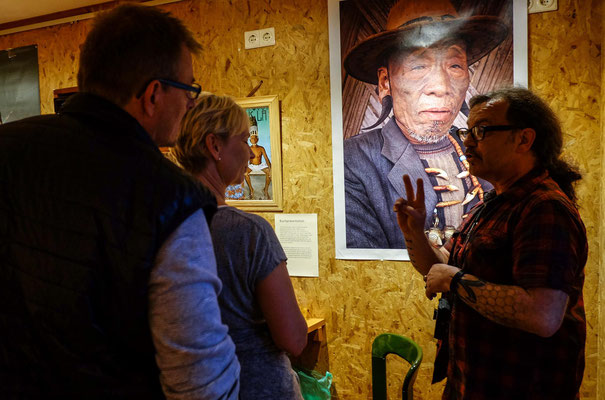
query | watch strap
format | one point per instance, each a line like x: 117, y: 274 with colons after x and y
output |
x: 455, y: 281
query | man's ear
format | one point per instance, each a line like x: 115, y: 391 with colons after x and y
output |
x: 150, y: 97
x: 214, y: 146
x: 384, y: 87
x: 526, y: 138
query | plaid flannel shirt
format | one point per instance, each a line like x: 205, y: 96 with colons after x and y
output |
x: 529, y: 236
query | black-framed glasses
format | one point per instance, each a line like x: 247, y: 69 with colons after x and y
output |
x: 478, y: 132
x: 193, y: 90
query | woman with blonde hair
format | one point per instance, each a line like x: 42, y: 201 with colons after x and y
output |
x: 257, y: 300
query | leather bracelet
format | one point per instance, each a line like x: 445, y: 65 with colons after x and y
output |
x: 455, y: 280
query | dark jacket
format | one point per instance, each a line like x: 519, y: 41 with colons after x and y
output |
x: 86, y: 201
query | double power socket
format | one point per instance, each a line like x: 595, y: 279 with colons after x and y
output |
x: 259, y: 38
x: 537, y: 6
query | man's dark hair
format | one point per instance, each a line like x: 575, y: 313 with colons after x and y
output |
x: 527, y: 110
x: 128, y: 47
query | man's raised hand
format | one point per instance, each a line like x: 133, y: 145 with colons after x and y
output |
x: 411, y: 212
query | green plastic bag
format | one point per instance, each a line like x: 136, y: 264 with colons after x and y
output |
x: 314, y: 386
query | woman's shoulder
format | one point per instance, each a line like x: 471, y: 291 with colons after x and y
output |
x: 238, y: 219
x: 239, y: 231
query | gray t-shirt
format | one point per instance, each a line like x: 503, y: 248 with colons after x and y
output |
x: 247, y: 251
x: 195, y: 354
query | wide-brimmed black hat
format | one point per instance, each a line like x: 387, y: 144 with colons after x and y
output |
x: 418, y: 23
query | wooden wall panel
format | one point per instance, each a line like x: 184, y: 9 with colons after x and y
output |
x: 600, y: 296
x: 565, y: 68
x: 360, y: 300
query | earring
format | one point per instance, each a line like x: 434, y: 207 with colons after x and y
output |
x: 387, y: 106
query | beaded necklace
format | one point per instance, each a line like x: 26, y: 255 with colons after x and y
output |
x: 464, y: 162
x: 434, y: 234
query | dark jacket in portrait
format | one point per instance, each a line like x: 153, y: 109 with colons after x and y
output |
x: 374, y: 164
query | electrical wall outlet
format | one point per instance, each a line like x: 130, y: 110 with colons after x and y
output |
x: 267, y: 37
x: 538, y: 6
x: 252, y: 39
x: 259, y: 38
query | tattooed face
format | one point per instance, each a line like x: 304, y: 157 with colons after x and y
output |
x: 428, y: 86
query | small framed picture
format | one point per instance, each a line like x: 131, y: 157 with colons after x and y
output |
x: 262, y: 187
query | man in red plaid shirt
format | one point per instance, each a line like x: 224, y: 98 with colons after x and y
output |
x: 515, y: 269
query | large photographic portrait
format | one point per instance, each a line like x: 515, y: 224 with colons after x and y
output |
x: 262, y: 186
x: 402, y: 73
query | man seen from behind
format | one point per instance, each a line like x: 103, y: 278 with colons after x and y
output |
x: 108, y: 285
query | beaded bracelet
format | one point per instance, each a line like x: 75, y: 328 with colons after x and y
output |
x: 455, y: 280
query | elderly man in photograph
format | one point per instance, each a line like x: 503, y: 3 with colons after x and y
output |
x: 420, y: 65
x: 108, y: 284
x: 514, y: 274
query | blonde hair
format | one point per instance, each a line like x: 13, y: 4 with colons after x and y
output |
x: 219, y: 115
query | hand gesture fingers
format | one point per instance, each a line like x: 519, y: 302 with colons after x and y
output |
x: 415, y: 200
x: 411, y: 212
x: 406, y: 213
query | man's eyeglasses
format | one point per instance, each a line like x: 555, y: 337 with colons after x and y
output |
x: 478, y: 132
x: 193, y: 90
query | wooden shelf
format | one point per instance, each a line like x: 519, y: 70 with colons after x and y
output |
x: 314, y: 324
x: 315, y: 354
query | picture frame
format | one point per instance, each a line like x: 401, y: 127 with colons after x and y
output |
x: 342, y: 112
x: 19, y: 80
x: 261, y: 190
x: 61, y: 95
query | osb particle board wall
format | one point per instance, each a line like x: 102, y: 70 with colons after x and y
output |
x: 362, y: 299
x: 565, y: 68
x: 601, y: 276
